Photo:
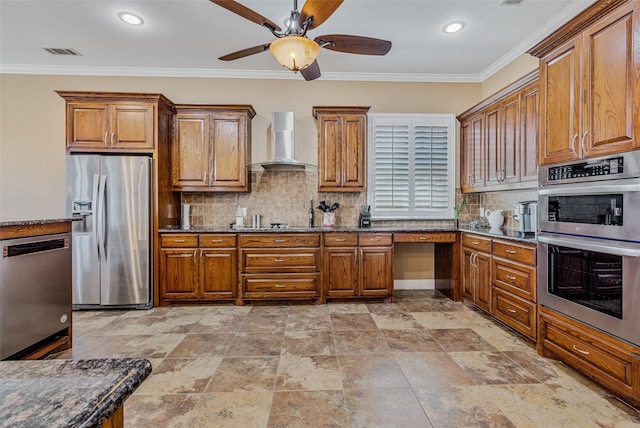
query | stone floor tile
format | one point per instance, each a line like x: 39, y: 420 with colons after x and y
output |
x: 432, y: 369
x: 388, y: 407
x: 395, y: 321
x: 255, y: 344
x: 352, y: 322
x: 316, y: 409
x: 153, y: 411
x: 218, y: 323
x: 504, y: 340
x: 308, y: 343
x: 347, y: 308
x: 244, y: 374
x: 359, y: 342
x: 492, y: 368
x: 307, y: 322
x: 202, y: 345
x: 308, y: 372
x: 264, y: 323
x: 460, y: 340
x: 371, y: 371
x: 179, y: 375
x: 231, y: 410
x: 411, y: 341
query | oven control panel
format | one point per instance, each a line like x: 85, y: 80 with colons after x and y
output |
x: 602, y: 167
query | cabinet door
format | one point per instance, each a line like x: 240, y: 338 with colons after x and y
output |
x: 330, y: 152
x: 528, y: 145
x: 376, y: 271
x: 610, y: 80
x: 477, y: 152
x: 190, y: 153
x: 509, y: 140
x: 340, y: 273
x: 219, y: 273
x: 353, y: 152
x: 483, y: 284
x: 178, y: 274
x: 494, y: 146
x: 229, y: 167
x: 132, y: 126
x: 88, y: 125
x: 560, y: 102
x: 468, y: 274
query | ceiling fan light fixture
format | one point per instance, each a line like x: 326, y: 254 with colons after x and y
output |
x: 294, y: 52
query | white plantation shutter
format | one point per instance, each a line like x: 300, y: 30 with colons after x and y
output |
x: 411, y: 166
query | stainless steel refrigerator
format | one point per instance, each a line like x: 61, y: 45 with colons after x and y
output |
x: 112, y: 251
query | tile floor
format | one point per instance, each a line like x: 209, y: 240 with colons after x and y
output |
x: 423, y: 361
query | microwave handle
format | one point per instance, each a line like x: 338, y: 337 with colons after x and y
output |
x: 599, y: 247
x: 618, y: 187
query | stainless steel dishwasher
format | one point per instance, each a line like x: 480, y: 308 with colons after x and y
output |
x: 35, y: 291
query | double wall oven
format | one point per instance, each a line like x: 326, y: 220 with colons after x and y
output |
x: 589, y: 242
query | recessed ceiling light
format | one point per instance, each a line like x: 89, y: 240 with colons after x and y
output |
x: 130, y: 18
x: 453, y: 27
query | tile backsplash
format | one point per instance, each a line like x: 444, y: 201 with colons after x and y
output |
x: 501, y: 200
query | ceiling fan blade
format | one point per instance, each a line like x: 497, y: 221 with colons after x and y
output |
x: 320, y: 10
x: 354, y: 44
x: 245, y: 52
x: 245, y: 12
x: 312, y: 72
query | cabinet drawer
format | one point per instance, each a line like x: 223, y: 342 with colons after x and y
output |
x: 175, y: 240
x: 476, y: 242
x: 280, y: 261
x: 605, y: 359
x: 340, y: 239
x: 517, y: 279
x: 515, y: 252
x: 517, y: 313
x: 281, y: 284
x: 279, y: 240
x: 375, y: 239
x: 425, y: 237
x: 217, y: 240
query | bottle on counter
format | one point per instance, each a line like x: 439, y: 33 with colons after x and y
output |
x: 311, y: 212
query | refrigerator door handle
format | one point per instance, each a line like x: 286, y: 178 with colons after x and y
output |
x: 96, y: 209
x: 102, y: 217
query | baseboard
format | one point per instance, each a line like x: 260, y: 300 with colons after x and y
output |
x: 414, y: 284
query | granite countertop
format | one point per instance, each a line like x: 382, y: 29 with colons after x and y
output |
x: 219, y: 229
x: 503, y: 232
x: 67, y: 393
x: 9, y: 222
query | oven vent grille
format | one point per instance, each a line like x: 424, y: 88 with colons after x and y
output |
x: 63, y: 51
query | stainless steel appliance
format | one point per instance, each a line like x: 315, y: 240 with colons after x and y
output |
x: 526, y: 214
x: 589, y: 243
x: 35, y: 290
x: 112, y: 257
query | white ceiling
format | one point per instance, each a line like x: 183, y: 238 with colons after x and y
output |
x: 185, y: 38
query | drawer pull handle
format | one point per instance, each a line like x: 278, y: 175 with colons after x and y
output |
x: 179, y: 240
x: 512, y: 251
x: 340, y: 239
x: 475, y: 242
x: 510, y: 277
x: 513, y: 311
x: 279, y: 240
x: 280, y: 285
x: 280, y: 260
x: 423, y: 238
x: 575, y: 348
x: 217, y: 241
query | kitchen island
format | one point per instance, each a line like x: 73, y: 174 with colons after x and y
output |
x: 68, y: 393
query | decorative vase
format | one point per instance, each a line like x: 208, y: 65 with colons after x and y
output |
x: 329, y: 219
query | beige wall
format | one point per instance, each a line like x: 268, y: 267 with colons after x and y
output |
x: 522, y: 65
x: 32, y: 120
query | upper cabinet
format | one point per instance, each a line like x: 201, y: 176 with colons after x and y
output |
x: 212, y: 148
x: 105, y: 122
x: 341, y: 148
x: 589, y: 82
x: 499, y: 139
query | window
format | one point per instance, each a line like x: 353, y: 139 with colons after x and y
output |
x: 411, y: 166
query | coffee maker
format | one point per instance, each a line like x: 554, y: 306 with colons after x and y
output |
x: 526, y: 214
x: 365, y: 216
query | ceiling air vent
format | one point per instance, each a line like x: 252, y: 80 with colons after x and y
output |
x: 63, y: 51
x: 510, y: 2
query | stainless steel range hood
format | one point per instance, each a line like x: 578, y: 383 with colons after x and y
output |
x: 283, y: 144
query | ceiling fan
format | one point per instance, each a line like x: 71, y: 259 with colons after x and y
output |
x: 292, y: 48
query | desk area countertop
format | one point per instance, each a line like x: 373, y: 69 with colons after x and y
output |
x: 393, y: 229
x: 66, y: 393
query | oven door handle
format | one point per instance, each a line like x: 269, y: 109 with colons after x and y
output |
x: 618, y: 187
x: 623, y: 249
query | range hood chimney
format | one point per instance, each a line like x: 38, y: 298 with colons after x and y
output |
x: 283, y: 144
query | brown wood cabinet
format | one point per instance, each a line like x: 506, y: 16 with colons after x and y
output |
x: 611, y: 362
x: 499, y: 139
x: 476, y: 270
x: 342, y: 135
x: 513, y: 271
x: 358, y: 265
x: 279, y: 266
x: 112, y: 122
x: 198, y: 267
x: 211, y: 148
x: 590, y: 80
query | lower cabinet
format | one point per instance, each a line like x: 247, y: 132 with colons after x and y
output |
x: 358, y: 265
x: 611, y: 362
x: 198, y: 267
x: 476, y: 270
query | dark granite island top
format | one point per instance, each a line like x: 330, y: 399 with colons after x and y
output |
x: 67, y: 393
